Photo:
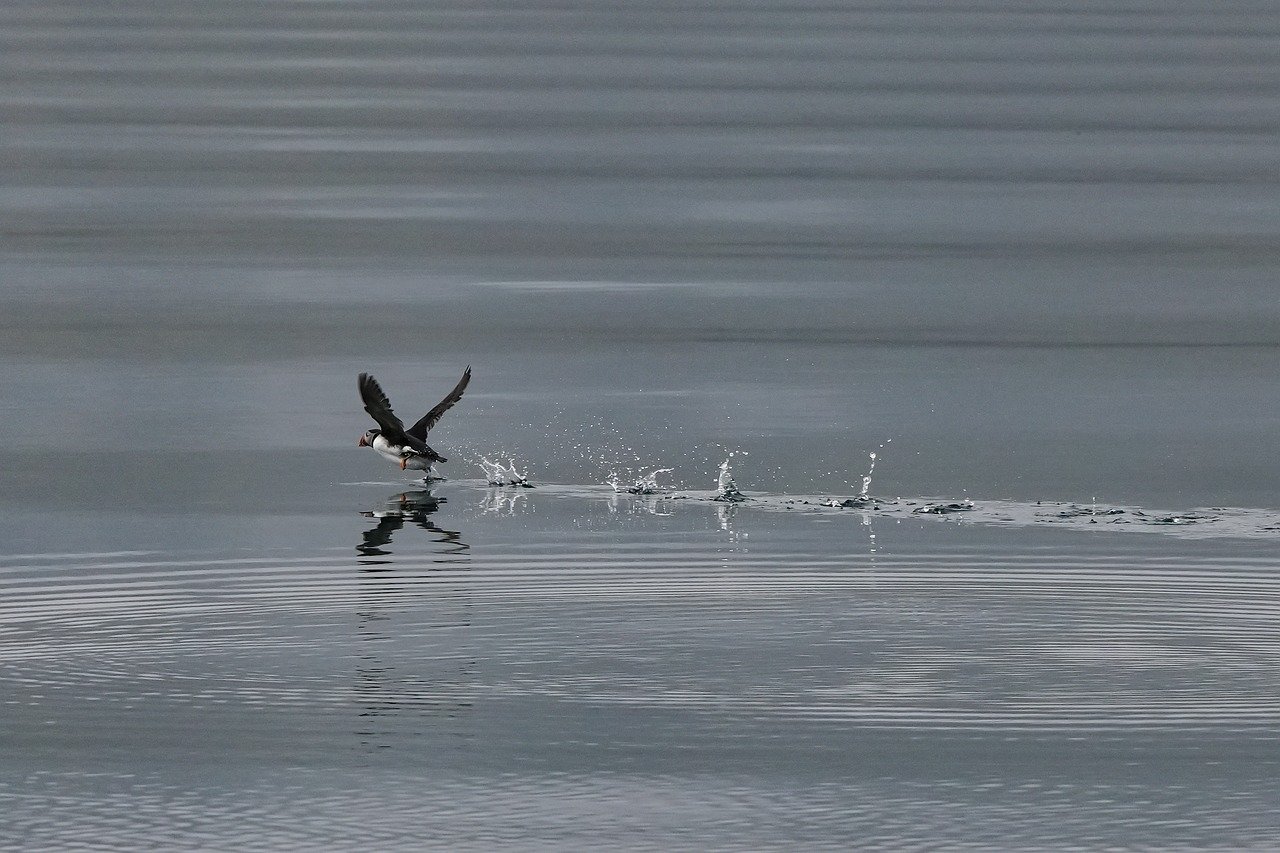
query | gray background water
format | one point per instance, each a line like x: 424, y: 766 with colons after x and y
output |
x: 1033, y: 244
x: 215, y: 214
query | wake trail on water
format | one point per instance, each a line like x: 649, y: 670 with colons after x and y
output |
x: 725, y: 489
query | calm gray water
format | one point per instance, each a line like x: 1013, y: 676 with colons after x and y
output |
x: 1025, y: 253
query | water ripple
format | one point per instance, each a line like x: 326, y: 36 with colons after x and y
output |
x: 930, y: 641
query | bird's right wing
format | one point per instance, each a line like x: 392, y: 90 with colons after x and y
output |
x: 427, y: 421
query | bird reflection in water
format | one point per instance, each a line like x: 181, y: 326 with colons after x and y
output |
x: 414, y: 664
x: 415, y: 507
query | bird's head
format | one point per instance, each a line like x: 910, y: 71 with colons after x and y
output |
x: 366, y: 440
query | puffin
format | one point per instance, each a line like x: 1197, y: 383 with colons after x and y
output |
x: 408, y: 447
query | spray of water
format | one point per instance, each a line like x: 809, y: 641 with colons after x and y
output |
x: 866, y: 478
x: 726, y: 488
x: 645, y: 484
x: 499, y: 474
x: 865, y: 492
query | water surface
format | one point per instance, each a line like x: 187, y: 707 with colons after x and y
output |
x: 1024, y: 254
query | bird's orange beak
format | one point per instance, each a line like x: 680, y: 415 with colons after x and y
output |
x: 404, y: 463
x: 362, y: 443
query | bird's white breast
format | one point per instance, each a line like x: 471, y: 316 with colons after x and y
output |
x: 386, y: 448
x: 394, y: 452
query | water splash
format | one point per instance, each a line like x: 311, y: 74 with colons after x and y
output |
x: 864, y: 494
x: 726, y: 488
x: 645, y: 484
x: 866, y: 478
x: 499, y: 474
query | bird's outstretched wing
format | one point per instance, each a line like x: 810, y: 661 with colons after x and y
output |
x: 427, y: 421
x: 379, y: 407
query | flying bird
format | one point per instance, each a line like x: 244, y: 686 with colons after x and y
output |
x: 408, y: 447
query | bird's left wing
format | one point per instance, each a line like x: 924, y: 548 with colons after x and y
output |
x: 427, y: 421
